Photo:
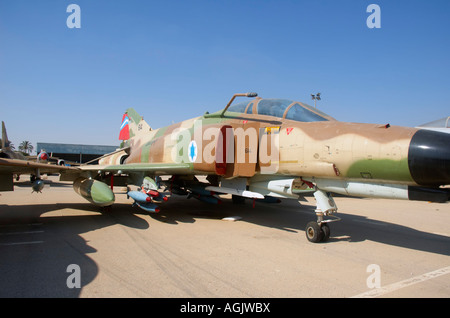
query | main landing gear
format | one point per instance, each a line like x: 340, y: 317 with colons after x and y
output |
x: 319, y: 231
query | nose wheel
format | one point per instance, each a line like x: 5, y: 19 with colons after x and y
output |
x: 316, y: 232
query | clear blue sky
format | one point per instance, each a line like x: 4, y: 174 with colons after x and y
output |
x: 174, y: 60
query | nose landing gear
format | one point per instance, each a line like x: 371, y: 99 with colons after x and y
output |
x: 319, y: 231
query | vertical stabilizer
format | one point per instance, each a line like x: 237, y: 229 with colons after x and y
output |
x: 125, y: 128
x: 5, y: 140
x: 132, y: 125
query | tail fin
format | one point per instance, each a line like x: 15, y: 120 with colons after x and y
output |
x: 132, y: 125
x: 5, y: 140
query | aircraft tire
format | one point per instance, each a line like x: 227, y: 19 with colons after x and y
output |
x: 313, y: 232
x: 326, y: 232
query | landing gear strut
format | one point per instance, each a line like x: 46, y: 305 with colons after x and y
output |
x: 319, y: 231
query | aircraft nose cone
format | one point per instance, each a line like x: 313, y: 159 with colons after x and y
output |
x: 429, y: 158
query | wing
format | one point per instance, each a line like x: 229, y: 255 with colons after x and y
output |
x: 151, y: 168
x: 17, y: 166
x: 10, y: 167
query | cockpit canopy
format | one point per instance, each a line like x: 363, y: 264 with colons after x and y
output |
x: 281, y: 108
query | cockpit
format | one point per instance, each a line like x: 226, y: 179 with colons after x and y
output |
x: 281, y: 108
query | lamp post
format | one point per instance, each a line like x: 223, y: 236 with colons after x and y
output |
x: 315, y: 97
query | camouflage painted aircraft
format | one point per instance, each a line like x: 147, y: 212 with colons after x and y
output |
x: 266, y: 150
x: 7, y: 152
x: 14, y: 163
x: 42, y: 157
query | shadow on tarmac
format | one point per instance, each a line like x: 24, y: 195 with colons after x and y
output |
x: 57, y: 242
x: 290, y: 216
x: 36, y: 251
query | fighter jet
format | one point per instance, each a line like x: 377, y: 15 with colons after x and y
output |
x: 268, y: 150
x: 13, y: 164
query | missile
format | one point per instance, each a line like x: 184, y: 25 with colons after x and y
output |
x: 157, y: 196
x: 241, y: 193
x: 94, y: 191
x: 269, y: 199
x: 153, y: 193
x: 148, y: 207
x: 201, y: 190
x: 139, y: 196
x: 388, y: 191
x: 144, y: 201
x: 208, y: 199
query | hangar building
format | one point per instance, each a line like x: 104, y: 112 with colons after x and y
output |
x: 75, y: 153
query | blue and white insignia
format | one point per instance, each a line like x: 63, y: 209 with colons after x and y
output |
x: 192, y: 151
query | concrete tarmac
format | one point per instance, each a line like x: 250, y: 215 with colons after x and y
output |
x: 380, y: 248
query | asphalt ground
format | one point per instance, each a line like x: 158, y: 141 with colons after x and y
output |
x: 51, y: 241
